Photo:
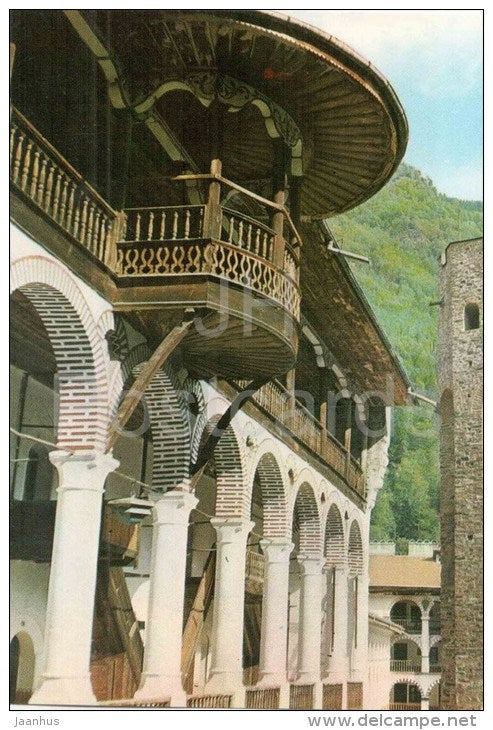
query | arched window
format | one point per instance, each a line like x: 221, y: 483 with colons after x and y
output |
x: 471, y: 316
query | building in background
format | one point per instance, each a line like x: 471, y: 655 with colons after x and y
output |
x: 171, y: 284
x: 405, y: 628
x: 461, y: 462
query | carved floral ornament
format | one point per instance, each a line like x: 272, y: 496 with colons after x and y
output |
x: 209, y: 85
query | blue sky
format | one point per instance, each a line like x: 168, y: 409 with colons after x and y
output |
x: 433, y: 59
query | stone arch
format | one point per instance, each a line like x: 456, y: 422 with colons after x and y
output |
x: 22, y: 667
x: 78, y: 349
x: 273, y: 494
x: 307, y: 518
x: 414, y: 682
x: 334, y: 536
x: 355, y: 549
x: 408, y: 615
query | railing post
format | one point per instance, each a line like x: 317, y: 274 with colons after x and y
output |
x: 278, y: 227
x: 213, y: 211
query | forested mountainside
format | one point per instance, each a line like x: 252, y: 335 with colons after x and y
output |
x: 404, y: 229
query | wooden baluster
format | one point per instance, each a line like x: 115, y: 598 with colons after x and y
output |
x: 34, y: 174
x: 90, y: 224
x: 49, y: 188
x: 150, y: 227
x: 187, y: 223
x: 63, y: 203
x: 56, y: 195
x: 95, y: 235
x: 70, y: 207
x: 26, y: 165
x: 101, y: 253
x: 240, y: 234
x: 175, y: 225
x: 249, y: 237
x: 137, y: 228
x: 42, y: 182
x: 163, y: 226
x: 17, y: 158
x: 83, y: 221
x: 13, y: 130
x: 77, y: 219
x: 257, y: 242
x: 231, y: 228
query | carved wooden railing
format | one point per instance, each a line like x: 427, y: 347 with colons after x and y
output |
x: 254, y: 572
x: 188, y: 253
x: 291, y: 413
x: 262, y: 699
x: 210, y: 702
x: 301, y: 697
x: 158, y: 241
x: 435, y: 668
x: 405, y: 665
x: 406, y: 706
x: 54, y: 187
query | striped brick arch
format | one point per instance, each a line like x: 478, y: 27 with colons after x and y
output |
x: 169, y: 421
x: 232, y: 498
x: 81, y: 367
x: 307, y: 519
x: 274, y: 501
x: 355, y: 549
x: 334, y: 537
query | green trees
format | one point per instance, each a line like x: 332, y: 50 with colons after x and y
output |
x: 404, y: 229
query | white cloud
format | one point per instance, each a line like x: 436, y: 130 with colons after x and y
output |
x: 442, y: 49
x: 463, y: 181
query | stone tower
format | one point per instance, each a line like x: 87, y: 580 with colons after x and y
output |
x: 461, y: 454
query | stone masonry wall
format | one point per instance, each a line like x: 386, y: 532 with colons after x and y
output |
x: 461, y: 458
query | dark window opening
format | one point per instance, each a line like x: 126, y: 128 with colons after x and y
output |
x: 471, y: 316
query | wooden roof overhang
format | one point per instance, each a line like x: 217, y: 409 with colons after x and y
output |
x: 340, y: 120
x: 333, y: 302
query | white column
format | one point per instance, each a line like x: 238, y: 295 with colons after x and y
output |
x: 274, y: 629
x: 361, y: 647
x: 310, y: 619
x: 65, y: 678
x: 425, y: 641
x: 338, y: 660
x: 161, y: 676
x: 425, y: 703
x: 226, y: 673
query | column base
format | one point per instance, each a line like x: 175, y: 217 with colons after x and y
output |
x: 64, y: 691
x: 158, y: 687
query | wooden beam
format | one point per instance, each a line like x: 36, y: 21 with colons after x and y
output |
x: 208, y: 448
x: 150, y: 368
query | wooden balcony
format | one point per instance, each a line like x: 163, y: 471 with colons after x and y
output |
x: 405, y: 706
x: 155, y: 262
x: 280, y: 404
x: 410, y: 626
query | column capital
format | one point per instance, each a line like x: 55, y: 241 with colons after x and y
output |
x: 276, y: 549
x: 311, y: 564
x: 84, y: 470
x: 174, y: 507
x: 230, y: 529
